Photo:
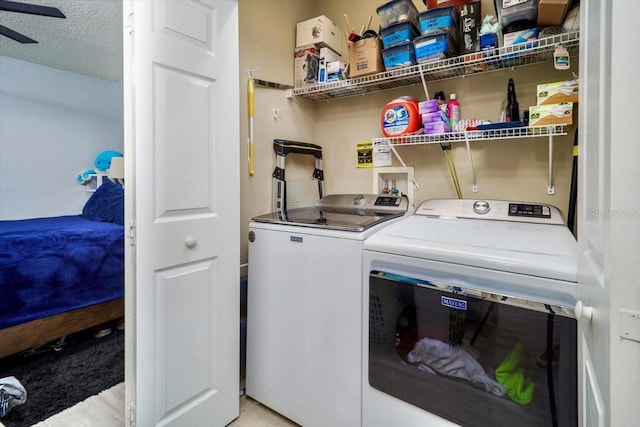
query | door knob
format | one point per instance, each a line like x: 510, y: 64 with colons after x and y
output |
x: 583, y: 311
x: 190, y: 242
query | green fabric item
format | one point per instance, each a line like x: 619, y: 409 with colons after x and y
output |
x: 512, y: 374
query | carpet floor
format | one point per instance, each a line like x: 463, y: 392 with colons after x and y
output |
x: 56, y: 380
x: 103, y: 410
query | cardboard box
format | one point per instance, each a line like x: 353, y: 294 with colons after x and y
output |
x: 470, y: 21
x: 552, y: 12
x: 557, y: 92
x: 517, y: 37
x: 320, y: 31
x: 330, y: 71
x: 335, y: 69
x: 326, y: 56
x: 551, y: 114
x: 329, y: 55
x: 489, y: 41
x: 365, y: 57
x: 436, y: 127
x: 306, y: 65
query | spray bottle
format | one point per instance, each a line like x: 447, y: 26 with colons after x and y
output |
x: 453, y: 111
x: 513, y: 109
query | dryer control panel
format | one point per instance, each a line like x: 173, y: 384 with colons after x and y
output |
x: 529, y: 210
x: 500, y: 210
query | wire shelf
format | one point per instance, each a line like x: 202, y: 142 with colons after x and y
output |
x: 475, y: 135
x: 445, y: 140
x: 519, y: 55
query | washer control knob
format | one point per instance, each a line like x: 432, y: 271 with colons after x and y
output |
x: 358, y: 200
x: 481, y: 207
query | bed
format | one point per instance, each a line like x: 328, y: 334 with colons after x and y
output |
x: 64, y: 274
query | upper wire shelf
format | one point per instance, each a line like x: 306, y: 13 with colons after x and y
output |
x: 518, y: 55
x: 476, y: 135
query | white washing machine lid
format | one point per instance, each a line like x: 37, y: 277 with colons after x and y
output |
x: 540, y: 250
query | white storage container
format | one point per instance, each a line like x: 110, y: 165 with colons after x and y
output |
x: 320, y: 31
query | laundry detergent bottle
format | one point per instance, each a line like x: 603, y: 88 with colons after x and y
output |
x: 401, y: 117
x: 453, y: 111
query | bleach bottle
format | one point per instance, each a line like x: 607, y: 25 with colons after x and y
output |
x: 453, y: 111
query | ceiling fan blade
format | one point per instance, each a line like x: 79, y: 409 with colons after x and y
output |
x: 32, y: 9
x: 8, y: 32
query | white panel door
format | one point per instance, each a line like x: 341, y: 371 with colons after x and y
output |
x: 182, y: 130
x: 609, y: 213
x: 593, y: 342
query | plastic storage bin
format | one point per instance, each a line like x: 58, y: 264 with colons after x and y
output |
x: 397, y: 11
x: 402, y: 55
x: 432, y: 48
x: 441, y: 20
x: 510, y: 11
x: 399, y: 33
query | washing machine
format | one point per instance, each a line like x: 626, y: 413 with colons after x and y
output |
x: 469, y: 317
x: 304, y: 306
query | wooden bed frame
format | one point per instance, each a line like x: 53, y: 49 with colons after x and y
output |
x: 41, y: 331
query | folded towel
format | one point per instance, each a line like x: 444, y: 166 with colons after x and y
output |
x: 438, y: 357
x: 12, y: 393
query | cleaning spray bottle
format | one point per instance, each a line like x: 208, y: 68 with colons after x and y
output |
x: 453, y: 111
x: 513, y: 109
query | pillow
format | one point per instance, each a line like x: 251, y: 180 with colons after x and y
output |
x: 106, y: 204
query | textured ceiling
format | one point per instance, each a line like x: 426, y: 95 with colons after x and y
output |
x: 88, y: 41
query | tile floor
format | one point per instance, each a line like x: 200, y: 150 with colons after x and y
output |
x: 254, y: 414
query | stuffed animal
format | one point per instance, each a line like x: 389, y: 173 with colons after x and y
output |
x: 102, y: 163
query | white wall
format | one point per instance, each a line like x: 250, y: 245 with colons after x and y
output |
x: 53, y: 124
x: 267, y: 43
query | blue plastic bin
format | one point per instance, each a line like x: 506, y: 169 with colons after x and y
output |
x: 402, y: 55
x: 440, y: 20
x: 399, y: 33
x: 435, y: 47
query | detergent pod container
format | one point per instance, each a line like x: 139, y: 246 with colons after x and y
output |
x: 401, y: 117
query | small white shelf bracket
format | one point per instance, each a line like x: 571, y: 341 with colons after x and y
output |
x: 474, y: 183
x: 550, y: 189
x: 410, y: 175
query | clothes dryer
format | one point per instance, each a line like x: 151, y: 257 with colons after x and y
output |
x: 304, y: 306
x: 469, y: 317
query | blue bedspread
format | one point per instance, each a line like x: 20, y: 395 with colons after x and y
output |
x: 53, y: 265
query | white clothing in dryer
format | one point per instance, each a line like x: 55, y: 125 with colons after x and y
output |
x: 438, y: 357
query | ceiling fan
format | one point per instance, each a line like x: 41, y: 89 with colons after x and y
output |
x: 32, y: 9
